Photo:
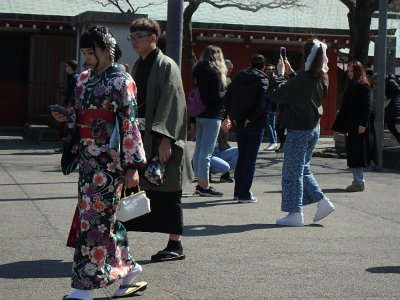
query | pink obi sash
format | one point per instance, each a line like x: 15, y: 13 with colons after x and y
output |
x: 95, y: 123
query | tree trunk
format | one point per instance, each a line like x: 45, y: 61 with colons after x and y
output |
x: 359, y: 23
x: 188, y: 51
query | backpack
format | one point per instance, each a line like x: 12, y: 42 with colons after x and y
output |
x: 194, y: 104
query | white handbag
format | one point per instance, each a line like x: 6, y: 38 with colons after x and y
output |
x: 133, y: 206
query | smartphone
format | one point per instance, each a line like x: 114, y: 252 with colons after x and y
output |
x: 282, y: 53
x: 58, y: 108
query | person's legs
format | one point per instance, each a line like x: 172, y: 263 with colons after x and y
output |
x: 253, y: 138
x: 168, y: 211
x: 358, y: 176
x: 207, y: 144
x: 218, y: 165
x: 241, y: 139
x: 272, y: 135
x: 199, y: 137
x: 293, y: 171
x: 311, y: 190
x: 230, y: 156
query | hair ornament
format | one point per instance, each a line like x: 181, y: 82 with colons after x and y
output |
x: 310, y: 58
x: 110, y: 42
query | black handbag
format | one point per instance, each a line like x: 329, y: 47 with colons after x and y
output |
x: 70, y: 153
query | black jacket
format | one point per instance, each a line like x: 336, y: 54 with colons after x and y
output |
x: 212, y: 90
x: 69, y: 98
x: 392, y: 92
x: 245, y: 97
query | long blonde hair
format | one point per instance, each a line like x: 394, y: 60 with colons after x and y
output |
x: 213, y: 54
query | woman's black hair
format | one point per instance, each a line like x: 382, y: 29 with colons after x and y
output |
x: 95, y: 37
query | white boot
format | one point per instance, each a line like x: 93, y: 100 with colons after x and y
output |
x: 294, y: 219
x: 324, y: 208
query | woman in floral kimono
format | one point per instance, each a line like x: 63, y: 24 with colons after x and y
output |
x: 105, y: 103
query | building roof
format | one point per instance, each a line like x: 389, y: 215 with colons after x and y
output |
x: 330, y: 14
x: 314, y: 15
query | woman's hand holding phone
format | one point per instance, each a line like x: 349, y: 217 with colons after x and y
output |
x: 59, y: 113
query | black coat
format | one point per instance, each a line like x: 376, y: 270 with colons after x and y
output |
x: 355, y: 111
x: 392, y: 92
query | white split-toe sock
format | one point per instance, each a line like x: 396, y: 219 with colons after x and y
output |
x: 294, y: 219
x: 129, y: 279
x: 324, y: 208
x: 81, y: 294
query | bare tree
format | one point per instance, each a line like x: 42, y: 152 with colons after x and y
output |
x: 126, y: 6
x: 359, y: 18
x: 246, y: 5
x: 123, y: 4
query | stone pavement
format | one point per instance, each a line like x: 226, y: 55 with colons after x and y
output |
x: 234, y: 251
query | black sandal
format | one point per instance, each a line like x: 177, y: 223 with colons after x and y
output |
x: 166, y: 255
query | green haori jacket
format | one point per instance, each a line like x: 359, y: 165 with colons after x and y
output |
x: 166, y: 115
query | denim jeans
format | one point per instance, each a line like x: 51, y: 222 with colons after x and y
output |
x: 271, y: 128
x: 358, y: 175
x: 223, y: 161
x: 248, y: 140
x: 206, y: 137
x: 299, y: 186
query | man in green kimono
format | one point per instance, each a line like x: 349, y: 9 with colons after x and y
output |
x: 161, y: 102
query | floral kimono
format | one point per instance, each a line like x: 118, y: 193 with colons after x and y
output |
x: 104, y: 101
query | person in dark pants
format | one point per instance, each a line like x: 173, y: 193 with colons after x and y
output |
x: 245, y: 106
x: 72, y: 77
x: 392, y: 110
x: 162, y: 107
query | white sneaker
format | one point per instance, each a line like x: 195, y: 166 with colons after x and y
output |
x: 294, y: 219
x: 252, y: 199
x: 324, y: 208
x: 271, y: 147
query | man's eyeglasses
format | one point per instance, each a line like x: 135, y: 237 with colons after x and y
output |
x: 135, y: 37
x: 271, y: 69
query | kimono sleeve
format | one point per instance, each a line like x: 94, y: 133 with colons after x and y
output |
x: 132, y: 150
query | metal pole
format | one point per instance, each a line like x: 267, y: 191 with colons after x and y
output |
x: 380, y: 67
x: 175, y: 30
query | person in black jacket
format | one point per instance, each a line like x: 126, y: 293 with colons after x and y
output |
x: 210, y: 75
x: 302, y: 94
x: 354, y: 121
x: 245, y: 106
x: 72, y: 77
x: 392, y: 111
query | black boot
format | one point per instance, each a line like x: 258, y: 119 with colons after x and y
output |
x: 226, y: 177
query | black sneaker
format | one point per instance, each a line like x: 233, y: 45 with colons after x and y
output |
x: 226, y: 177
x: 210, y: 192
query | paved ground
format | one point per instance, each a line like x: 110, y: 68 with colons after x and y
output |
x: 234, y: 251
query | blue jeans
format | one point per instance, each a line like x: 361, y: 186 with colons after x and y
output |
x: 206, y: 137
x: 223, y: 161
x: 271, y: 128
x: 248, y: 140
x: 358, y: 175
x: 299, y: 186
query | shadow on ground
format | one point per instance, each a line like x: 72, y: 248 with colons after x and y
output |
x: 384, y: 270
x: 36, y: 269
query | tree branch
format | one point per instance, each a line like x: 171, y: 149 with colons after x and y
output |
x: 253, y: 6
